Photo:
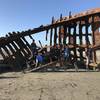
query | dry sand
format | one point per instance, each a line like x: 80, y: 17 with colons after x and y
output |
x: 50, y: 86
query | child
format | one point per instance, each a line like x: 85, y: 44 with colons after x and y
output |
x: 39, y: 59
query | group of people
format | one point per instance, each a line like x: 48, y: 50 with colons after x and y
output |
x: 60, y: 53
x: 48, y: 54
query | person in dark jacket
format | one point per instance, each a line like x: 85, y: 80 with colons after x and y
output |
x: 34, y: 49
x: 58, y: 52
x: 52, y: 53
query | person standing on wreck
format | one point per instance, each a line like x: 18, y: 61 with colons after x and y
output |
x: 34, y: 49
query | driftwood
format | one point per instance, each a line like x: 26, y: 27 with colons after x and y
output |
x: 42, y: 66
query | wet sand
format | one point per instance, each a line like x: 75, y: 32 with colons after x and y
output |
x: 50, y: 86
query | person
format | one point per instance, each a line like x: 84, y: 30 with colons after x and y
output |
x: 66, y: 53
x: 39, y: 59
x: 45, y: 57
x: 52, y: 53
x: 62, y: 54
x: 34, y: 49
x: 58, y: 52
x: 88, y: 52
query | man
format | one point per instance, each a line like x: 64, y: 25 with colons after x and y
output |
x: 58, y: 52
x: 34, y: 49
x: 52, y: 53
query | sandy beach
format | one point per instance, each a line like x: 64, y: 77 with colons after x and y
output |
x: 50, y: 86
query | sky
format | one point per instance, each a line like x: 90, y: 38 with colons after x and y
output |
x: 20, y: 15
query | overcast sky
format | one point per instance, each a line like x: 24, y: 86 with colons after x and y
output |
x: 19, y: 15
